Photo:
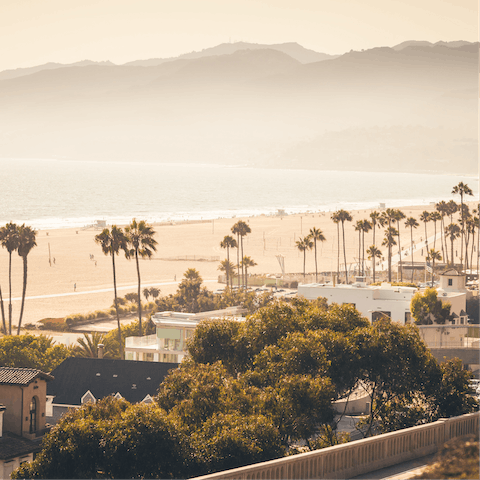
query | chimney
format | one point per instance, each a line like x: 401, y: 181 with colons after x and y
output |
x: 2, y: 409
x: 100, y: 350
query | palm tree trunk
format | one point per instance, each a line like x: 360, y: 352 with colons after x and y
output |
x: 434, y: 233
x: 400, y: 253
x: 344, y: 254
x: 10, y: 294
x: 389, y: 262
x: 316, y: 269
x: 238, y: 258
x: 120, y: 345
x: 411, y: 248
x: 3, y: 314
x: 451, y: 241
x: 338, y: 251
x: 373, y: 266
x: 139, y: 299
x: 444, y: 242
x: 463, y: 231
x: 24, y: 291
x: 243, y: 276
x: 228, y: 262
x: 246, y: 279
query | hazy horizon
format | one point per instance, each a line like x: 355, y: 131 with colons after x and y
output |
x: 121, y: 31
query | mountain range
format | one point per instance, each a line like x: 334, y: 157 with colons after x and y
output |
x: 412, y: 107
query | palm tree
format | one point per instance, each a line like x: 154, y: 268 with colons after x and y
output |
x: 462, y: 189
x: 452, y: 209
x: 452, y: 231
x: 146, y: 293
x: 366, y: 227
x: 473, y: 225
x: 141, y: 243
x: 376, y: 218
x: 399, y: 215
x: 389, y: 242
x: 26, y: 241
x: 358, y: 228
x: 242, y: 229
x: 247, y: 262
x: 229, y: 269
x: 373, y: 252
x: 111, y: 243
x: 435, y: 217
x: 228, y: 242
x: 412, y: 223
x: 442, y: 209
x: 9, y: 240
x: 335, y: 219
x: 343, y: 217
x: 425, y: 218
x: 154, y: 292
x: 433, y: 255
x: 88, y: 345
x: 304, y: 244
x: 316, y: 235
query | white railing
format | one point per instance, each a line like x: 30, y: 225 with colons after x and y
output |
x: 135, y: 342
x: 361, y: 456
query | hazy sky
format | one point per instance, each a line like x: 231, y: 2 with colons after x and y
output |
x: 33, y: 32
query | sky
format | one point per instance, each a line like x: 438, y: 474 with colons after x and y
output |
x: 33, y: 32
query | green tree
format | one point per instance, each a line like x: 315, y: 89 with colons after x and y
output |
x: 9, y: 240
x: 141, y: 244
x: 146, y: 293
x: 412, y: 223
x: 26, y: 241
x: 373, y: 253
x: 336, y: 219
x: 229, y: 269
x: 442, y: 209
x: 399, y: 215
x: 462, y: 189
x: 31, y: 351
x: 343, y: 217
x: 304, y: 244
x: 111, y: 243
x: 425, y: 218
x: 453, y: 232
x: 376, y: 218
x: 88, y: 345
x: 427, y: 309
x: 435, y: 217
x: 228, y: 242
x: 316, y: 235
x: 389, y: 242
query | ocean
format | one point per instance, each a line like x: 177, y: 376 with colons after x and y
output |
x: 50, y: 194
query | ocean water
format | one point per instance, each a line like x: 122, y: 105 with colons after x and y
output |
x: 48, y: 194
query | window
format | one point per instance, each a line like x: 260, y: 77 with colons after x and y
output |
x: 33, y: 415
x: 450, y: 282
x: 148, y: 357
x: 408, y: 318
x: 377, y: 315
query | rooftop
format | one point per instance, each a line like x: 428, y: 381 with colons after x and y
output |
x: 21, y: 376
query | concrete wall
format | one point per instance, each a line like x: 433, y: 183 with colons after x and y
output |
x: 8, y: 466
x: 362, y: 456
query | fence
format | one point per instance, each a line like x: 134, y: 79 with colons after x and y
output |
x: 361, y: 456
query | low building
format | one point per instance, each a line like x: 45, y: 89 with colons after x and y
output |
x: 22, y: 416
x: 453, y: 289
x: 173, y: 329
x: 372, y: 302
x: 86, y: 380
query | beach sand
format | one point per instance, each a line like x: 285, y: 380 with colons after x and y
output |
x: 62, y: 259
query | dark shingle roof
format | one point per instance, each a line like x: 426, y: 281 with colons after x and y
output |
x: 12, y: 446
x: 134, y: 380
x: 21, y: 376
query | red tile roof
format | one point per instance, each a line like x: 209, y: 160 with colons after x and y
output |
x: 21, y: 376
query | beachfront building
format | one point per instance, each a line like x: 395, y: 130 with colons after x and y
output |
x: 453, y: 289
x: 173, y: 329
x: 372, y: 302
x: 22, y: 416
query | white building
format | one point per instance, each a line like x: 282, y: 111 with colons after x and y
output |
x: 452, y: 289
x: 372, y: 302
x: 173, y: 329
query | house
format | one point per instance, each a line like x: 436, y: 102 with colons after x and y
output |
x: 86, y: 380
x: 371, y: 301
x: 453, y: 289
x: 22, y: 415
x: 173, y: 329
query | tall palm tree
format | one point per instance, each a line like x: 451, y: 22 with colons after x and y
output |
x: 9, y: 240
x: 228, y: 242
x: 366, y: 227
x: 373, y: 253
x: 343, y: 217
x: 358, y: 228
x: 425, y: 218
x: 336, y: 219
x: 316, y: 235
x: 304, y: 244
x: 141, y: 243
x: 111, y: 242
x: 26, y: 241
x: 473, y: 225
x: 442, y: 209
x: 412, y: 223
x: 229, y: 269
x: 247, y: 263
x: 242, y: 229
x: 452, y: 231
x: 433, y: 255
x: 376, y: 218
x: 462, y: 189
x: 389, y: 242
x: 399, y: 215
x: 452, y: 209
x: 435, y: 217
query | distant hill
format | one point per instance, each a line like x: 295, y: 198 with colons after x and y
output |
x: 403, y: 109
x: 417, y: 43
x: 294, y: 50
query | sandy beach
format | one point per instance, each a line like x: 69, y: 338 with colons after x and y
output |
x: 68, y: 273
